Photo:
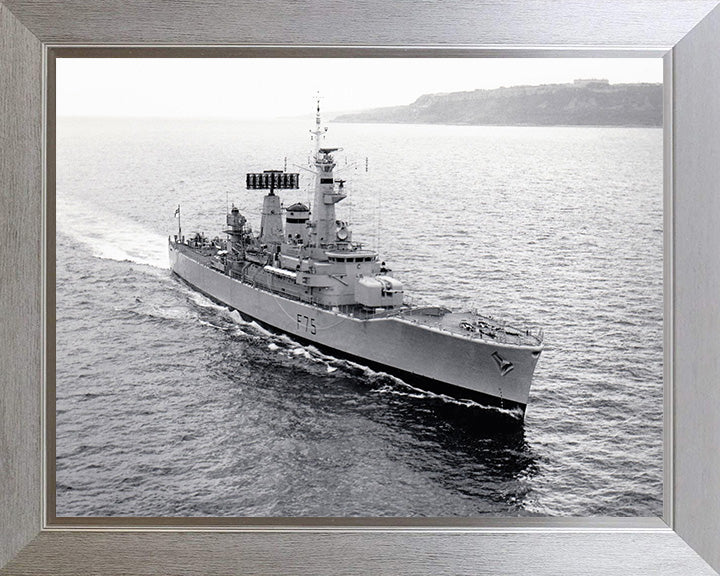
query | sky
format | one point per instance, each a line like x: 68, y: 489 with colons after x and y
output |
x: 266, y: 88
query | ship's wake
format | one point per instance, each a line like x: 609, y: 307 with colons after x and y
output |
x: 109, y: 236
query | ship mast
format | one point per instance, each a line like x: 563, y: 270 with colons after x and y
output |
x: 177, y: 215
x: 323, y: 219
x: 319, y: 130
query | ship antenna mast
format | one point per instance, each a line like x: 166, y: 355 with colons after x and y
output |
x: 319, y: 130
x: 177, y: 215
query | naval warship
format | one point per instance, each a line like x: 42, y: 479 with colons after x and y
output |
x: 303, y: 275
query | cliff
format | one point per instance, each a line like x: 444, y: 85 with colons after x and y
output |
x: 582, y: 103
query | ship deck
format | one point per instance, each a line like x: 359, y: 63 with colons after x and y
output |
x: 462, y: 324
x: 472, y: 325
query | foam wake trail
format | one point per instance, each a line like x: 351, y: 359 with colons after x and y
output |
x: 110, y: 236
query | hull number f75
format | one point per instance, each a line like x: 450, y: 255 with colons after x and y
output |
x: 304, y: 323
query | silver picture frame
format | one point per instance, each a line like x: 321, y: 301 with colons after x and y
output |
x: 685, y: 33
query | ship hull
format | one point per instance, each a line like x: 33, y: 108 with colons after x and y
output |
x: 425, y: 358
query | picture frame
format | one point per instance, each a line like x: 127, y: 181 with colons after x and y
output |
x: 685, y: 542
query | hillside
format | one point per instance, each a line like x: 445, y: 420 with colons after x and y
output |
x: 582, y: 103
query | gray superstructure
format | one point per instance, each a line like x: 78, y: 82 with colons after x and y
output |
x: 306, y: 277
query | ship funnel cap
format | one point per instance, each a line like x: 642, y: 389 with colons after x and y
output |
x: 298, y: 207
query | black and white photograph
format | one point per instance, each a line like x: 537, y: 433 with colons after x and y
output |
x: 371, y: 287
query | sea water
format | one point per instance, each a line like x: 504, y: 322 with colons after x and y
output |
x: 171, y: 405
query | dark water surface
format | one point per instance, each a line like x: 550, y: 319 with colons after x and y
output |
x: 168, y: 404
